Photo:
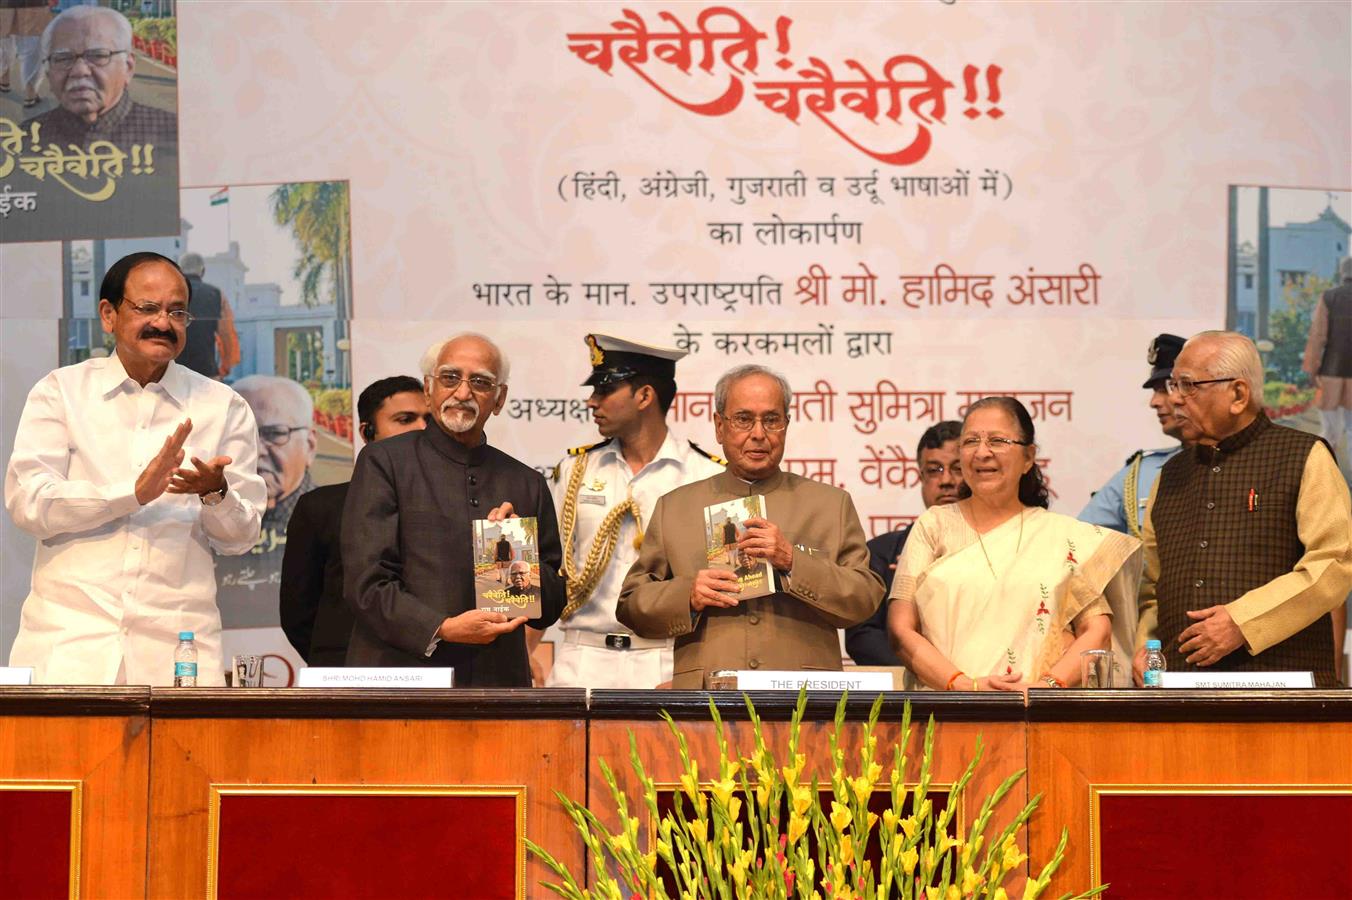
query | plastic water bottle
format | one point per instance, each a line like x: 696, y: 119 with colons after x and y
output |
x: 1154, y: 664
x: 185, y: 661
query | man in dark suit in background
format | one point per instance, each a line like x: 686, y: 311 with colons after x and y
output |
x: 316, y: 620
x: 940, y: 477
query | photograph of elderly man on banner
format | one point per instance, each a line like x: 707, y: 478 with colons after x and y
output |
x: 88, y: 120
x: 270, y: 271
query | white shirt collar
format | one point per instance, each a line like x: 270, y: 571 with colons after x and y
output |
x: 174, y: 382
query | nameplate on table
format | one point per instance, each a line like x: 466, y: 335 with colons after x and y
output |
x: 1248, y: 680
x: 759, y: 680
x: 335, y: 677
x: 11, y: 676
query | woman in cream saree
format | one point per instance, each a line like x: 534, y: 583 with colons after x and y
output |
x: 996, y: 592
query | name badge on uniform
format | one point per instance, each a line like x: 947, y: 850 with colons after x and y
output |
x: 593, y: 499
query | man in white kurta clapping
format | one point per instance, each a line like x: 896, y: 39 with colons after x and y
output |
x: 128, y: 470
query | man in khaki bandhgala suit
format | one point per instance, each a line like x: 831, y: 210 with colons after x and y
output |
x: 811, y: 536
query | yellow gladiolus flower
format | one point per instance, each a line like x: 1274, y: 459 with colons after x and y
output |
x: 663, y: 848
x: 620, y: 842
x: 890, y: 819
x: 797, y: 826
x: 650, y: 860
x: 1031, y: 889
x: 846, y: 849
x: 1012, y: 856
x: 734, y: 808
x: 699, y: 829
x: 723, y: 790
x: 909, y: 858
x: 910, y: 826
x: 791, y: 772
x: 1000, y: 894
x: 840, y: 816
x: 872, y: 820
x: 931, y: 893
x: 862, y: 788
x: 970, y: 881
x: 690, y: 781
x: 738, y: 868
x: 952, y: 893
x: 802, y: 799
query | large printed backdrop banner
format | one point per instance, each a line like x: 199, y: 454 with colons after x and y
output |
x: 901, y: 206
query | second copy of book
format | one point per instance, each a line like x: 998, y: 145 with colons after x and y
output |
x: 724, y: 523
x: 507, y: 566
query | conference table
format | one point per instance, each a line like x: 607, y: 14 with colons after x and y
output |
x: 267, y: 792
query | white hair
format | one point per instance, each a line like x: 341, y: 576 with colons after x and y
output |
x: 732, y: 376
x: 280, y: 390
x: 77, y: 14
x: 428, y: 363
x: 1233, y: 356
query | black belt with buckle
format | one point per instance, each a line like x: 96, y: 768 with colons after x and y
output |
x: 617, y: 641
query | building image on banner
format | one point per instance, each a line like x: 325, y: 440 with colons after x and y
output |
x: 88, y: 120
x: 269, y: 267
x: 1287, y: 255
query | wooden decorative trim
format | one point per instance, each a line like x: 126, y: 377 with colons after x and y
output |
x: 368, y: 703
x: 778, y: 706
x: 76, y: 790
x: 1178, y: 705
x: 1212, y: 790
x: 217, y: 791
x: 82, y: 700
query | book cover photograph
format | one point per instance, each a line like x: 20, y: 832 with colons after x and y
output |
x: 507, y: 567
x: 724, y: 523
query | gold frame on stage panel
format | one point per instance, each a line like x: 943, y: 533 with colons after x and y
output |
x: 76, y: 791
x: 1099, y: 790
x: 217, y: 791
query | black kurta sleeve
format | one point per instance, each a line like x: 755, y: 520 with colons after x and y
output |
x: 552, y: 594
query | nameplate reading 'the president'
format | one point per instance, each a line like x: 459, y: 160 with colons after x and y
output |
x: 11, y: 676
x: 758, y: 680
x: 1249, y: 680
x: 333, y: 677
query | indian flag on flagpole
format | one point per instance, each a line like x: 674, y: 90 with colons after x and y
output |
x: 221, y: 197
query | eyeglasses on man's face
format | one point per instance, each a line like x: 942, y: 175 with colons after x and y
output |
x: 177, y: 315
x: 935, y: 471
x: 96, y: 58
x: 997, y: 444
x: 450, y: 379
x: 1186, y: 387
x: 279, y: 435
x: 771, y: 422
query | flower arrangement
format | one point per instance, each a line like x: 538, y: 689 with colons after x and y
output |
x: 758, y: 829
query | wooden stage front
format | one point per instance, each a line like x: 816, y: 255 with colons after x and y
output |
x: 138, y: 792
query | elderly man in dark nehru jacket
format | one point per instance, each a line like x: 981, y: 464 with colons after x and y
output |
x: 407, y: 533
x: 1247, y: 535
x: 810, y: 535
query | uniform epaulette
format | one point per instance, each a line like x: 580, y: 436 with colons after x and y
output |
x: 706, y: 454
x: 1135, y: 456
x: 585, y: 448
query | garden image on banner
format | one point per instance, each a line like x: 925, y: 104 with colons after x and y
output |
x: 1285, y: 249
